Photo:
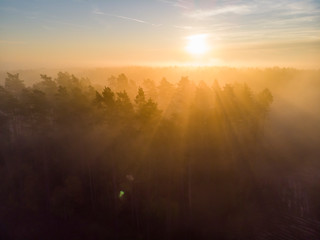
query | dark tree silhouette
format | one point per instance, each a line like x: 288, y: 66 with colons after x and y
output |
x: 167, y: 161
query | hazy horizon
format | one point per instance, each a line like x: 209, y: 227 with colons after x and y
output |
x: 191, y: 67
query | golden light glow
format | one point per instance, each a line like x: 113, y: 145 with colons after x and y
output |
x: 197, y: 44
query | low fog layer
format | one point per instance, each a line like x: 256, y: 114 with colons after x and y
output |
x: 160, y: 153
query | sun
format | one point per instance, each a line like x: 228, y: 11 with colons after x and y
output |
x: 197, y: 44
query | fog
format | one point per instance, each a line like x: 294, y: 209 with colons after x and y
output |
x: 160, y: 153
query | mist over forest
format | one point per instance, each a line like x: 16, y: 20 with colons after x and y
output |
x: 160, y: 153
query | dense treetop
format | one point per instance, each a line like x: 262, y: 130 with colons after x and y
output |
x: 133, y: 161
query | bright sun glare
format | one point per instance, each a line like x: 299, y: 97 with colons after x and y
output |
x: 197, y: 44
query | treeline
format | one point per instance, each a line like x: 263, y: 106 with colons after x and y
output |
x: 156, y: 161
x: 257, y: 78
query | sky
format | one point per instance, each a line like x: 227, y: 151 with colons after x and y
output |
x: 98, y: 33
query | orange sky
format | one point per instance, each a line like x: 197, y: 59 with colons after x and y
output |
x: 82, y: 33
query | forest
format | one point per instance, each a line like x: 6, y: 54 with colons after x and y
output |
x: 157, y: 159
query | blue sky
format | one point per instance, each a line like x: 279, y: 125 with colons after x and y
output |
x: 43, y: 33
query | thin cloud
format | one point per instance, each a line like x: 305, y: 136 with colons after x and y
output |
x: 98, y: 12
x: 269, y: 9
x: 183, y: 27
x: 261, y: 20
x: 178, y: 3
x: 233, y: 9
x: 128, y: 18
